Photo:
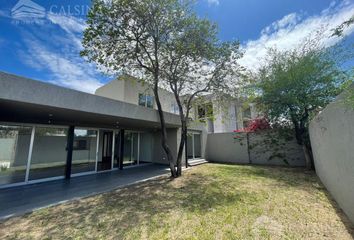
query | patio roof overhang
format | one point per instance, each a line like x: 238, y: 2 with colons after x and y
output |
x: 28, y: 101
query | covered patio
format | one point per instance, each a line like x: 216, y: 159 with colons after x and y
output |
x: 23, y: 199
x: 49, y: 133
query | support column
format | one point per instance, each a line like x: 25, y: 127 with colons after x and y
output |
x: 121, y: 149
x: 69, y: 153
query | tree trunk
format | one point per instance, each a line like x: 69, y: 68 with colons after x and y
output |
x: 183, y: 119
x: 180, y: 149
x: 300, y: 133
x: 165, y: 146
x: 307, y: 157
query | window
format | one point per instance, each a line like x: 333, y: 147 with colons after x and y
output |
x: 247, y: 113
x: 146, y: 100
x: 174, y: 108
x: 205, y: 111
x: 150, y: 101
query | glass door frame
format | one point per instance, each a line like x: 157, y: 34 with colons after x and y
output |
x: 30, y: 151
x: 132, y: 148
x: 192, y: 133
x: 31, y: 145
x: 96, y: 153
x: 33, y: 127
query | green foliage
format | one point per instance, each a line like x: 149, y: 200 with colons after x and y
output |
x: 135, y: 36
x: 338, y: 31
x: 295, y: 84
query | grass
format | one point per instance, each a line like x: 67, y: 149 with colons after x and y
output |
x: 211, y: 201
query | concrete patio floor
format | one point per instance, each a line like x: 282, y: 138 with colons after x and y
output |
x: 23, y: 199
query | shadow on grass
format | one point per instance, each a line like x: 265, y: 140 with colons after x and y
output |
x: 121, y: 211
x: 116, y: 214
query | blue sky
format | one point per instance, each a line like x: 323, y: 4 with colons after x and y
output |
x: 48, y: 49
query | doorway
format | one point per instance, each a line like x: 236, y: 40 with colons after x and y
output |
x: 105, y: 162
x: 194, y: 145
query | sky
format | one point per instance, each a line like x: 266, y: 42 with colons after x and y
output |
x: 47, y: 47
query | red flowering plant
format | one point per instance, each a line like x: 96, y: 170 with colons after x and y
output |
x: 255, y: 125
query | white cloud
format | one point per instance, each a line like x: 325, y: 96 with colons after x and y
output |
x: 69, y: 23
x: 213, y: 2
x: 290, y: 31
x: 59, y: 54
x: 68, y: 71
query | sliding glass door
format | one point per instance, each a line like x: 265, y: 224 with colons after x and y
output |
x: 14, y: 148
x: 84, y: 151
x: 105, y: 160
x: 194, y: 145
x: 49, y: 153
x: 131, y: 146
x: 137, y: 148
x: 33, y: 153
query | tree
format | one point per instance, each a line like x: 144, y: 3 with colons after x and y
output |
x: 256, y: 124
x: 198, y: 64
x: 338, y: 31
x: 296, y: 84
x: 133, y: 36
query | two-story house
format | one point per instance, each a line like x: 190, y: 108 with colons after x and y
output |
x: 208, y: 115
x: 49, y: 132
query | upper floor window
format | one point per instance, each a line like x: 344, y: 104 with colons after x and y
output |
x: 174, y: 108
x: 146, y: 100
x: 205, y: 111
x: 247, y: 113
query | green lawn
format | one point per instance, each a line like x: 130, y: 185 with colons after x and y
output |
x: 211, y: 201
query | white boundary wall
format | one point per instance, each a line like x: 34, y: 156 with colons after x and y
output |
x: 332, y: 139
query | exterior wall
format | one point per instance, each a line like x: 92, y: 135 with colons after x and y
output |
x: 40, y: 97
x: 332, y: 140
x: 132, y: 89
x: 159, y: 155
x: 127, y: 89
x: 268, y: 148
x: 222, y: 147
x: 228, y: 116
x: 114, y: 90
x: 146, y: 147
x: 259, y: 149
